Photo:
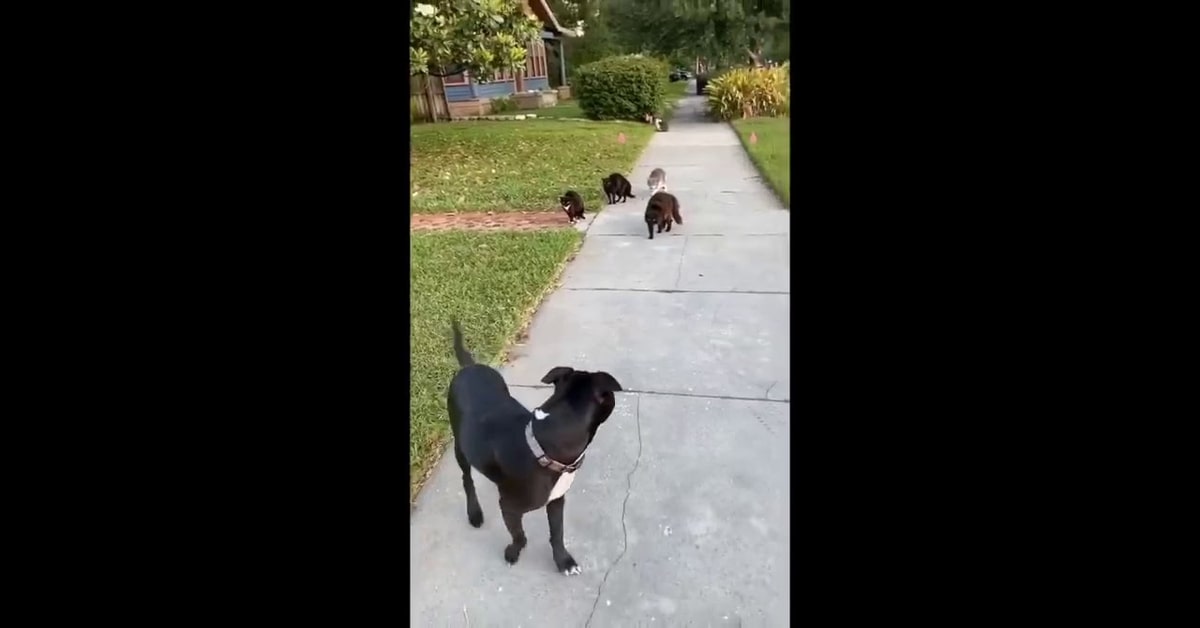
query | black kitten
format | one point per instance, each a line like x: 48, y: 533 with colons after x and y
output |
x: 572, y: 203
x: 616, y: 187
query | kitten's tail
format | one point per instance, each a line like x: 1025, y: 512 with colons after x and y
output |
x: 675, y: 213
x: 464, y: 356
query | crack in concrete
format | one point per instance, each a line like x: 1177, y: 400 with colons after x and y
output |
x: 624, y: 505
x: 679, y: 271
x: 768, y: 393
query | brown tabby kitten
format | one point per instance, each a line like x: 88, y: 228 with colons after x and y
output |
x: 662, y: 208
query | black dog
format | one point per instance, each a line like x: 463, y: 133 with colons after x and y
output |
x: 531, y: 456
x: 572, y: 203
x: 616, y: 187
x: 661, y: 209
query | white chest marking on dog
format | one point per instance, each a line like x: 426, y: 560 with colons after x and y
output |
x: 560, y: 487
x: 538, y: 414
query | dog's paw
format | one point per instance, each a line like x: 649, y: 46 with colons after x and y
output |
x: 568, y: 566
x: 475, y: 517
x: 512, y: 553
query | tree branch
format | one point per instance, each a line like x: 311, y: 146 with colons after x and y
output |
x: 460, y: 68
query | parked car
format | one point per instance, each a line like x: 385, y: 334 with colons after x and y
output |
x: 680, y: 74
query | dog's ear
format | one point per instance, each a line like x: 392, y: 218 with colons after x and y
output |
x: 556, y: 374
x: 604, y: 382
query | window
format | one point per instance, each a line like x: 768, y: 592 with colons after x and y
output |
x: 455, y: 79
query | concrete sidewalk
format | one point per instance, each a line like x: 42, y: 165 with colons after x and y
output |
x: 681, y: 515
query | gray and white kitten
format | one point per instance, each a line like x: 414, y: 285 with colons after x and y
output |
x: 657, y: 180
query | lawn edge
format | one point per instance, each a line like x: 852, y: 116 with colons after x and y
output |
x: 527, y: 316
x: 787, y: 204
x: 509, y: 210
x: 501, y: 358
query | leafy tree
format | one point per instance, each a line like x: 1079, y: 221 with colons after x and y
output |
x: 722, y: 31
x: 479, y: 36
x: 599, y: 41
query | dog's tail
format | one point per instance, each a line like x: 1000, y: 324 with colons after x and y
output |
x: 675, y: 213
x: 464, y: 356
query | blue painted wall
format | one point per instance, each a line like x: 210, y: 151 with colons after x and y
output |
x: 458, y: 93
x: 462, y: 93
x: 494, y: 90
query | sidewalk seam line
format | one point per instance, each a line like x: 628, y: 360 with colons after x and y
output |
x: 675, y: 291
x: 669, y: 394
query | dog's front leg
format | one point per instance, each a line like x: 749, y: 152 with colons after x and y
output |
x: 512, y: 520
x: 562, y: 558
x: 474, y: 512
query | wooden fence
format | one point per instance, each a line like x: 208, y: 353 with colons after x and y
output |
x: 427, y: 98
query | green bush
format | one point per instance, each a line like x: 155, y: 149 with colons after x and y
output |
x: 749, y: 93
x: 503, y: 104
x: 621, y: 88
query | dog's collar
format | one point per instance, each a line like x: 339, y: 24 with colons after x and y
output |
x: 546, y: 461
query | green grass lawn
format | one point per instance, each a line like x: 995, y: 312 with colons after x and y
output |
x: 568, y: 109
x: 772, y: 153
x: 491, y: 282
x: 517, y: 166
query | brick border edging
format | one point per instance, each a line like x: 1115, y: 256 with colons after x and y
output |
x: 535, y: 117
x: 559, y: 222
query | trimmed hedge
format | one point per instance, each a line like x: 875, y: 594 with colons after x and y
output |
x: 621, y: 88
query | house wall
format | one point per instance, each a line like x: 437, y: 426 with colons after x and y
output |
x: 494, y: 90
x: 462, y: 93
x: 470, y: 108
x: 458, y: 93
